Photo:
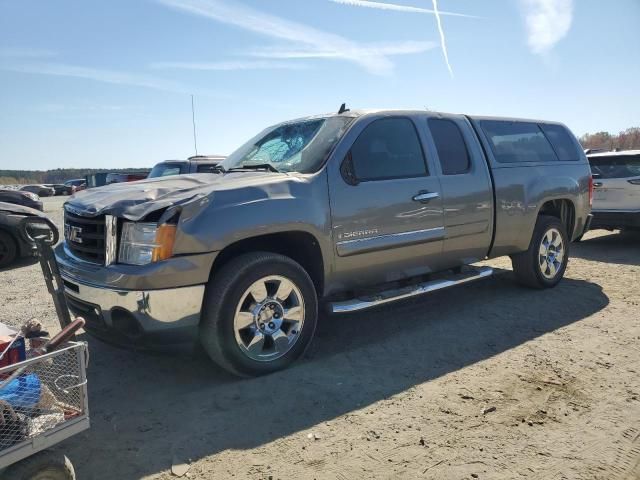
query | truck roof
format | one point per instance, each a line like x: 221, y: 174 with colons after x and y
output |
x: 207, y: 158
x: 198, y: 159
x: 621, y: 153
x: 363, y: 112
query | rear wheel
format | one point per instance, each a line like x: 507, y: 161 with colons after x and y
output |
x: 260, y: 314
x: 544, y: 263
x: 8, y: 249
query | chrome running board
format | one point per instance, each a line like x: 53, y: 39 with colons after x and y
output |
x: 362, y: 303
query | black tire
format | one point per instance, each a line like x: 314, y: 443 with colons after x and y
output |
x: 45, y: 465
x: 223, y: 296
x: 527, y: 265
x: 8, y: 249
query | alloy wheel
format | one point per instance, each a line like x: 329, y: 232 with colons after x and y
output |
x: 269, y: 318
x: 551, y: 253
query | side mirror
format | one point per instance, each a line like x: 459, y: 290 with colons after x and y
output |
x: 347, y: 171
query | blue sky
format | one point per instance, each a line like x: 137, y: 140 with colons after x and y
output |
x: 88, y: 83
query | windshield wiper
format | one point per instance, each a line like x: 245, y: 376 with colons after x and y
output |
x: 257, y: 166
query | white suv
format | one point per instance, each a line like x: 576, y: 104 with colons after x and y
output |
x: 616, y: 181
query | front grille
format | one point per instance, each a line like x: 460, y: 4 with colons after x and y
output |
x: 86, y: 237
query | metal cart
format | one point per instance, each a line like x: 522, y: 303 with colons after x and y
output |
x: 43, y: 398
x: 43, y: 401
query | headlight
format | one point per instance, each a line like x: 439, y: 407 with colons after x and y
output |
x: 32, y: 196
x: 143, y: 243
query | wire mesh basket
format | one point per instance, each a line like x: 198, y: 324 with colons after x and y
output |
x: 43, y: 400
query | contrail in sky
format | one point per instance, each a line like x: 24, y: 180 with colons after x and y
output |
x: 442, y: 40
x: 395, y: 7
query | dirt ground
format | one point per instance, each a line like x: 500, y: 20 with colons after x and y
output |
x: 489, y: 381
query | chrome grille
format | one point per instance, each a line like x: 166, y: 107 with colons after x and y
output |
x: 86, y: 237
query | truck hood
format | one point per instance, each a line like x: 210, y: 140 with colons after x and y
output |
x: 135, y: 200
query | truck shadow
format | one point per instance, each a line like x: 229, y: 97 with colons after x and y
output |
x: 611, y: 248
x: 147, y: 410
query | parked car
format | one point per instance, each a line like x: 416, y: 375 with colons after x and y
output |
x: 125, y: 177
x: 40, y: 190
x: 12, y: 244
x: 18, y: 197
x: 60, y: 188
x: 197, y: 164
x: 351, y: 210
x: 76, y: 184
x: 616, y: 203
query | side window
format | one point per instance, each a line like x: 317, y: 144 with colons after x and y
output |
x: 206, y: 168
x: 514, y: 142
x: 169, y: 171
x: 452, y: 150
x: 388, y: 148
x: 561, y: 141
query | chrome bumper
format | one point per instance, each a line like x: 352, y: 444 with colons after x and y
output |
x: 137, y: 317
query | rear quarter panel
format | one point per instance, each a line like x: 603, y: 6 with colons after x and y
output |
x: 521, y: 189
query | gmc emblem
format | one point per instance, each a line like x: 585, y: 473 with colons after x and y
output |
x: 72, y: 233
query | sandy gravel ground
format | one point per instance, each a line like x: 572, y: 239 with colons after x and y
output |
x: 489, y: 381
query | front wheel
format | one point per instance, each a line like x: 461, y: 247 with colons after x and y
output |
x: 260, y: 313
x: 544, y: 263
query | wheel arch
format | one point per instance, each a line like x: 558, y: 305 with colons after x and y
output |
x: 301, y: 246
x: 564, y: 210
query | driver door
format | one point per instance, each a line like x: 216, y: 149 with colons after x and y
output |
x: 387, y: 215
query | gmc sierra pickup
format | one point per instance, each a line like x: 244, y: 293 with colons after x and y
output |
x: 348, y: 210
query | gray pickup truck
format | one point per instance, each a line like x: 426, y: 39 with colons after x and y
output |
x: 348, y: 210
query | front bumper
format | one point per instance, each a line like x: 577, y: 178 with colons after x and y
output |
x: 179, y: 271
x: 153, y: 319
x: 611, y: 220
x: 155, y: 306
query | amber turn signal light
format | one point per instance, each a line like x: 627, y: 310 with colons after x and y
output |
x: 165, y: 238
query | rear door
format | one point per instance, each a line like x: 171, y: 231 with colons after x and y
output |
x: 616, y: 182
x: 467, y: 191
x: 386, y: 204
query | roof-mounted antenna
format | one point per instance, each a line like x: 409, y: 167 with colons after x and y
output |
x: 343, y: 108
x: 193, y: 121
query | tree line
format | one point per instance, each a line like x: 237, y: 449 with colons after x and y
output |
x: 59, y: 175
x: 628, y: 139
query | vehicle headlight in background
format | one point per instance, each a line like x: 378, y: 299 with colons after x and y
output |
x: 32, y: 196
x: 143, y: 243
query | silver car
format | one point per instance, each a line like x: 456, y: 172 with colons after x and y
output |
x: 616, y: 181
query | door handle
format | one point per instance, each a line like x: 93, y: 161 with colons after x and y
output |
x: 597, y: 184
x: 425, y: 197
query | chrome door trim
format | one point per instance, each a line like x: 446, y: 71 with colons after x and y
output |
x: 347, y: 248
